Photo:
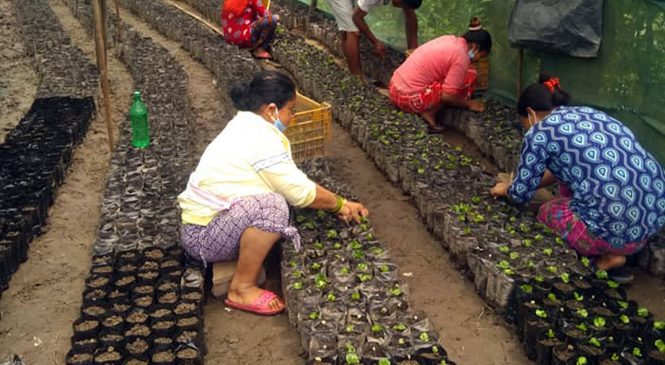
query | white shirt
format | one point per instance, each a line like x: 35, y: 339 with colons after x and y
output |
x: 249, y: 157
x: 367, y: 5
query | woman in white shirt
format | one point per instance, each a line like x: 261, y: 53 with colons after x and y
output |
x: 235, y: 204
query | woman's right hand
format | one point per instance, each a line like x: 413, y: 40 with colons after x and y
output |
x: 476, y: 106
x: 352, y: 211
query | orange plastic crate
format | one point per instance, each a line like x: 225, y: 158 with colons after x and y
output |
x: 311, y: 129
x: 483, y: 68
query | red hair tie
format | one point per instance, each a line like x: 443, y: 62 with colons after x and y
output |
x: 552, y: 84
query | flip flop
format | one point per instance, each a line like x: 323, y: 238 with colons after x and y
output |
x: 439, y: 130
x: 259, y: 306
x: 264, y: 55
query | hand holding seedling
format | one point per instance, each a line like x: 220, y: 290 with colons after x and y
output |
x: 353, y: 211
x: 500, y: 190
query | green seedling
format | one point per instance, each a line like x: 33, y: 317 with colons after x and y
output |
x: 526, y: 288
x: 622, y: 304
x: 316, y: 266
x: 423, y: 336
x: 642, y: 312
x: 313, y: 315
x: 364, y: 277
x: 377, y: 328
x: 552, y: 269
x: 331, y: 234
x: 624, y: 319
x: 503, y: 264
x: 514, y: 256
x: 331, y: 297
x: 538, y: 237
x: 565, y: 277
x: 550, y: 333
x: 466, y: 231
x: 363, y: 267
x: 356, y: 245
x: 599, y: 322
x: 504, y: 249
x: 384, y: 361
x: 355, y: 296
x: 300, y: 218
x: 578, y: 297
x: 612, y: 284
x: 637, y: 352
x: 601, y: 275
x: 559, y: 241
x: 345, y: 270
x: 552, y: 297
x: 527, y: 243
x: 318, y: 245
x: 660, y: 345
x: 297, y: 285
x: 321, y: 214
x: 582, y: 313
x: 615, y: 357
x: 509, y: 272
x: 478, y: 218
x: 337, y: 246
x: 585, y: 261
x: 539, y: 278
x: 581, y: 361
x: 659, y: 325
x: 376, y: 250
x: 548, y: 251
x: 309, y: 225
x: 384, y: 268
x: 476, y: 199
x: 541, y: 313
x: 582, y: 327
x: 358, y: 254
x: 349, y: 328
x: 395, y: 291
x: 352, y: 358
x: 400, y: 327
x: 524, y: 228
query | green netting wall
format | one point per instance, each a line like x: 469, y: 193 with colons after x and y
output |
x: 627, y: 79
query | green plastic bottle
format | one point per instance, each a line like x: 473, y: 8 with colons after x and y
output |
x: 138, y: 114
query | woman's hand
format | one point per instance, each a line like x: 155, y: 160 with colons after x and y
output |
x: 352, y: 211
x: 500, y: 190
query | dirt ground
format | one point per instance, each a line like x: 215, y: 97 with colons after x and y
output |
x: 37, y: 312
x: 18, y: 81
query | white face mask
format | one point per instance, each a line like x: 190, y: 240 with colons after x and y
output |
x: 472, y: 54
x: 277, y: 122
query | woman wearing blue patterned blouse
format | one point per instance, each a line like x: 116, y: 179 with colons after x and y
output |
x: 611, y: 190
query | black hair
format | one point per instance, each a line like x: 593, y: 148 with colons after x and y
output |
x: 478, y: 35
x: 412, y: 4
x: 266, y: 87
x: 542, y: 96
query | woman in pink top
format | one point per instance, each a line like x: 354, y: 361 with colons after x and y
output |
x: 440, y: 73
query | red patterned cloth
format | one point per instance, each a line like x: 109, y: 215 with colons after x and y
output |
x: 557, y: 215
x: 237, y: 27
x: 430, y: 97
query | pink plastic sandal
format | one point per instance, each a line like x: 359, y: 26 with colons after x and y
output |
x: 259, y: 306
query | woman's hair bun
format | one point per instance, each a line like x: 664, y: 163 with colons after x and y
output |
x: 475, y: 24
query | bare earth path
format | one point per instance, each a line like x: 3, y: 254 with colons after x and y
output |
x: 18, y: 81
x: 43, y: 301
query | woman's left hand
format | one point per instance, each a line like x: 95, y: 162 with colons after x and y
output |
x: 352, y: 211
x: 500, y: 190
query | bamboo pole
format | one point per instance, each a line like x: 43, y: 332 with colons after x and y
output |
x: 117, y: 26
x: 100, y: 48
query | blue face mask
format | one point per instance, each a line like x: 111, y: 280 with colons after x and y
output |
x: 279, y: 125
x: 278, y: 122
x: 472, y: 53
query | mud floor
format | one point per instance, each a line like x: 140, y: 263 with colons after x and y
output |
x: 37, y: 311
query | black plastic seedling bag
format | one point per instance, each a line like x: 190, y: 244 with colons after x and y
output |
x: 570, y: 27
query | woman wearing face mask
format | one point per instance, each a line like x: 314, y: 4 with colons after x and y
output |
x: 235, y: 205
x: 439, y: 72
x: 611, y: 190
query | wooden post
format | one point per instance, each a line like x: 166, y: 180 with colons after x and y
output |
x: 117, y: 25
x: 520, y: 72
x: 100, y: 48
